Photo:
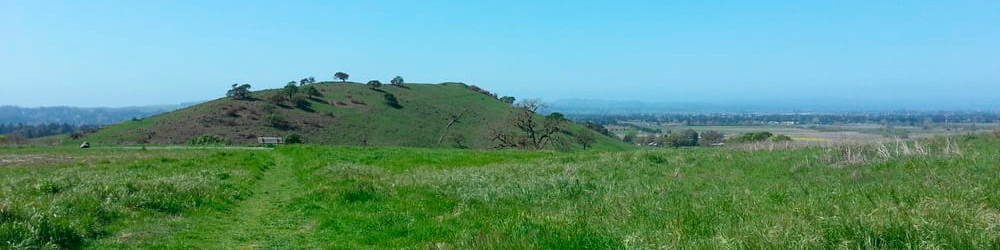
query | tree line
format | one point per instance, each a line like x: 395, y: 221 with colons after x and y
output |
x: 691, y: 138
x: 42, y: 130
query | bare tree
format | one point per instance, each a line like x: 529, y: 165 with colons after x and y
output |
x: 528, y: 132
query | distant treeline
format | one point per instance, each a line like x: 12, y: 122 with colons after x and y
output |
x: 41, y: 130
x: 898, y: 119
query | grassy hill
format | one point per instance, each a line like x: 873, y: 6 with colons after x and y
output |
x: 345, y: 114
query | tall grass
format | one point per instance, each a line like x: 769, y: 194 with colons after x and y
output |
x: 938, y: 196
x: 934, y: 193
x: 64, y: 205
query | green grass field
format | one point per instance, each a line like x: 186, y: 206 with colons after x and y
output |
x: 931, y: 194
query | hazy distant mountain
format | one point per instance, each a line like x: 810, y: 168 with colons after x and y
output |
x: 82, y: 116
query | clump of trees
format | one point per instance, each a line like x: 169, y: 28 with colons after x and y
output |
x: 711, y: 138
x: 751, y: 137
x: 686, y: 138
x: 525, y: 130
x: 239, y: 91
x: 307, y: 81
x: 298, y: 96
x: 374, y: 84
x: 311, y: 91
x: 598, y: 128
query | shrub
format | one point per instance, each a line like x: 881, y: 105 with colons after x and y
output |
x: 391, y: 101
x: 711, y: 137
x: 301, y: 102
x: 293, y: 139
x: 311, y: 91
x: 508, y: 99
x: 277, y: 121
x: 781, y: 138
x: 752, y: 137
x: 277, y: 98
x: 685, y: 138
x: 269, y: 108
x: 209, y: 140
x: 996, y: 133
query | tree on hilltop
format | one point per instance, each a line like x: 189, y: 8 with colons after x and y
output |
x: 398, y: 81
x: 239, y: 91
x: 290, y: 89
x: 374, y: 83
x: 507, y: 99
x: 306, y: 81
x: 342, y: 76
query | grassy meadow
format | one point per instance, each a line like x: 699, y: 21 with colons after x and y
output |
x: 938, y: 193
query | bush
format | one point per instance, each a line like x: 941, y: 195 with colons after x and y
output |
x: 277, y: 121
x: 293, y: 139
x: 301, y: 102
x: 781, y: 138
x: 711, y: 137
x: 209, y: 140
x: 996, y: 133
x: 277, y: 98
x: 686, y: 138
x: 752, y: 137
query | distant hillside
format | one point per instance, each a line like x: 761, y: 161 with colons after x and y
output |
x: 344, y: 114
x: 81, y: 116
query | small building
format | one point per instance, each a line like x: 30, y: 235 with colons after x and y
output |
x: 270, y: 140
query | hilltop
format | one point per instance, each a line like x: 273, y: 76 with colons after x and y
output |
x: 341, y: 114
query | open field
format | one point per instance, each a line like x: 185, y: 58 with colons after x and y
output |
x: 833, y: 133
x: 940, y: 196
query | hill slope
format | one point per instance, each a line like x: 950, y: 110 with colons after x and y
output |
x: 345, y: 114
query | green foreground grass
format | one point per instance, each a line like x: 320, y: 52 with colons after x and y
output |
x: 940, y: 196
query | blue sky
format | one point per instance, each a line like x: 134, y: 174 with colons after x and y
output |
x: 121, y: 53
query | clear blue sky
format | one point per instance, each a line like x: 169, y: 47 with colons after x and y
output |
x: 121, y: 53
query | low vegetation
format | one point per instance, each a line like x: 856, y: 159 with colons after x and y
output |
x: 933, y: 193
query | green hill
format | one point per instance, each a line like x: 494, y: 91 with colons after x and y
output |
x: 343, y: 114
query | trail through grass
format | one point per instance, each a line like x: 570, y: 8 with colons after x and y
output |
x: 261, y: 221
x: 942, y: 196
